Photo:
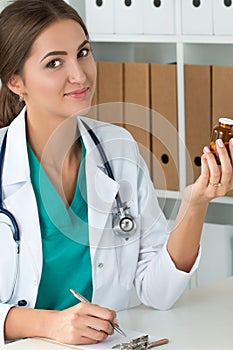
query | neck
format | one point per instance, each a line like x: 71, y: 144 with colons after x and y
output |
x: 54, y: 141
x: 58, y: 148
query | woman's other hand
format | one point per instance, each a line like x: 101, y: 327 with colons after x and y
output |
x: 215, y: 180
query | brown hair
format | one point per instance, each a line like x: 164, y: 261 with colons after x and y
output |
x: 20, y: 24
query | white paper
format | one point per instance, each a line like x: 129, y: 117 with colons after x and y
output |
x: 108, y: 343
x: 112, y: 340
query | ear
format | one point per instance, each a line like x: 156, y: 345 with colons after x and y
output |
x: 16, y: 85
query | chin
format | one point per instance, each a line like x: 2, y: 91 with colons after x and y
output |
x: 84, y: 111
x: 80, y: 111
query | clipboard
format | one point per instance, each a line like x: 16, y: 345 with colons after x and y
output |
x: 111, y: 341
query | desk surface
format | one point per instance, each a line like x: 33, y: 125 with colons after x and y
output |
x: 202, y: 319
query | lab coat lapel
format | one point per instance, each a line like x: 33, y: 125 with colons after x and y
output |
x: 16, y: 168
x: 18, y: 192
x: 101, y: 189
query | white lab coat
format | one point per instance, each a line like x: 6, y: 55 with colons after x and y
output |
x: 117, y: 264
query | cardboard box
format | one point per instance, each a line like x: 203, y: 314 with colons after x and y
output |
x: 197, y: 84
x: 222, y: 87
x: 165, y: 173
x: 136, y: 107
x: 110, y: 92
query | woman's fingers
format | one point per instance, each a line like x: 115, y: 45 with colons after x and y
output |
x: 220, y: 177
x: 225, y: 182
x: 226, y: 164
x: 83, y: 323
x: 214, y: 170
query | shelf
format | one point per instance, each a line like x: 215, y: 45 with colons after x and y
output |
x: 176, y: 195
x: 140, y: 38
x: 168, y: 194
x: 132, y: 38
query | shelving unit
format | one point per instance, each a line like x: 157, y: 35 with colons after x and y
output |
x: 179, y: 48
x: 182, y: 49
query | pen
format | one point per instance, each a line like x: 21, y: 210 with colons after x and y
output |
x: 82, y: 298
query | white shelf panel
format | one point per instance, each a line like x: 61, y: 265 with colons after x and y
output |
x: 126, y: 38
x: 168, y: 194
x: 177, y: 195
x: 207, y: 39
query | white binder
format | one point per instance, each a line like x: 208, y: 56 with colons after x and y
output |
x: 3, y: 4
x: 223, y: 17
x: 159, y: 17
x: 197, y: 16
x: 128, y: 16
x: 100, y: 16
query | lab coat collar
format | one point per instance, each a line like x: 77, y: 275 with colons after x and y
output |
x: 16, y: 167
x: 101, y: 189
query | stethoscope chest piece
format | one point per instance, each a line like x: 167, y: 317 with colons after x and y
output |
x: 124, y: 225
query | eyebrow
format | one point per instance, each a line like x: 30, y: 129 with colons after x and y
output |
x: 63, y: 53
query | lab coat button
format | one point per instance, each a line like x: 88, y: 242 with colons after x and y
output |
x: 100, y: 265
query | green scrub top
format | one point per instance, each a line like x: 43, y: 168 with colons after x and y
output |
x: 65, y: 240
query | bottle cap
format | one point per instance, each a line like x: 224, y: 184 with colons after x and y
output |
x: 226, y: 121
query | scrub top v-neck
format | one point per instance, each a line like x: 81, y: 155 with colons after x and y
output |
x: 65, y: 239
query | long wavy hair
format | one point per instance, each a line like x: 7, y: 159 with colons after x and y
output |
x: 20, y: 24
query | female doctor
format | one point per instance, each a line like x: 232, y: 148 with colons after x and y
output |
x: 62, y: 196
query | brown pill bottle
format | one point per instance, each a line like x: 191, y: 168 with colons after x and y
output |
x: 224, y: 131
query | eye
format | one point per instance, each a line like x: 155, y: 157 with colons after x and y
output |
x: 84, y: 52
x: 54, y: 63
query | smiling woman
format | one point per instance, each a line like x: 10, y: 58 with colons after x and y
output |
x: 60, y: 82
x: 15, y: 28
x: 62, y: 201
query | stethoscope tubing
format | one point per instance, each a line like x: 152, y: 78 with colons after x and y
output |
x: 124, y: 224
x: 105, y: 161
x: 2, y: 155
x: 4, y: 211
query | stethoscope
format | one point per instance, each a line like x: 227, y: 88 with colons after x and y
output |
x: 123, y: 224
x: 9, y: 220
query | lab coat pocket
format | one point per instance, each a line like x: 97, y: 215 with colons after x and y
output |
x: 127, y: 257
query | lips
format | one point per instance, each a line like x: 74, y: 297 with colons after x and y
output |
x: 80, y: 93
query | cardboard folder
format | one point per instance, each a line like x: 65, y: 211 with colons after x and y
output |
x: 110, y: 92
x: 222, y: 87
x: 164, y: 126
x: 136, y: 106
x: 197, y: 84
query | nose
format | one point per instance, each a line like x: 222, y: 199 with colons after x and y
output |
x: 76, y: 73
